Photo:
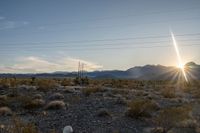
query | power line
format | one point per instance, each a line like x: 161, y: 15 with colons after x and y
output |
x: 98, y: 45
x: 113, y: 48
x: 109, y: 39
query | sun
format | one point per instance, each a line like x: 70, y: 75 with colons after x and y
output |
x: 181, y: 66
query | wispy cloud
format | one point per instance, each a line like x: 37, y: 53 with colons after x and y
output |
x: 36, y: 65
x: 10, y: 24
x: 2, y: 18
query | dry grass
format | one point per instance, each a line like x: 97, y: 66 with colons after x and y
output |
x: 55, y: 105
x: 66, y: 82
x: 18, y: 126
x: 90, y: 90
x: 46, y: 84
x: 141, y: 108
x: 37, y: 96
x: 33, y: 104
x: 56, y: 96
x: 168, y: 92
x: 170, y: 117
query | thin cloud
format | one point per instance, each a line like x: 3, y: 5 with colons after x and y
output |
x: 2, y: 18
x: 10, y: 24
x: 38, y: 65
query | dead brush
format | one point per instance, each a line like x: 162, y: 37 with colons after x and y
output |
x: 5, y: 111
x: 170, y: 117
x: 53, y: 105
x: 141, y: 108
x: 168, y: 92
x: 35, y: 103
x: 90, y: 90
x: 56, y: 96
x: 46, y: 84
x: 18, y: 126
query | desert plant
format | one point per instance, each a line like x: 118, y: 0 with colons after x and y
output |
x: 141, y: 108
x: 169, y: 117
x: 18, y: 126
x: 46, y: 84
x: 168, y: 92
x: 88, y: 91
x: 4, y: 83
x: 103, y: 112
x: 55, y: 105
x: 5, y: 111
x: 56, y: 96
x: 66, y: 82
x: 37, y: 96
x: 36, y: 103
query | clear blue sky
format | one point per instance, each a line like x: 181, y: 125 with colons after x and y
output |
x: 49, y: 35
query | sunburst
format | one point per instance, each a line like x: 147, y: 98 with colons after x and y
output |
x: 180, y: 63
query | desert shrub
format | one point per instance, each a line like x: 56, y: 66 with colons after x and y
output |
x: 37, y: 96
x: 36, y: 103
x: 46, y: 84
x: 5, y: 111
x: 32, y: 82
x: 168, y: 92
x: 103, y: 112
x: 18, y: 126
x: 4, y: 83
x: 196, y: 93
x: 3, y: 101
x: 170, y: 117
x: 120, y: 91
x: 55, y: 105
x: 56, y: 96
x: 141, y: 108
x: 81, y: 81
x: 69, y: 90
x: 24, y: 100
x: 3, y: 97
x: 66, y: 82
x: 157, y: 130
x: 88, y: 91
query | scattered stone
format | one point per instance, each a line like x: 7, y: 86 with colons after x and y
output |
x: 68, y: 129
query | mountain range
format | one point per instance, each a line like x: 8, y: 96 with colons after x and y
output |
x: 147, y: 72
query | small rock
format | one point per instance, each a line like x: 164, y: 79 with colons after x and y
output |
x: 68, y: 129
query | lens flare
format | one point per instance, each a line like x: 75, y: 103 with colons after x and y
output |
x: 180, y: 64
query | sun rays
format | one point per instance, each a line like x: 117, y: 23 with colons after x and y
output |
x: 180, y: 63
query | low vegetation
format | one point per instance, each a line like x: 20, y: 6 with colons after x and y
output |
x: 56, y: 96
x: 90, y: 90
x: 123, y: 105
x: 5, y: 111
x: 141, y: 108
x: 55, y: 105
x: 170, y: 117
x: 35, y: 103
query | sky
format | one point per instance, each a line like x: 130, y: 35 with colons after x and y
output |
x: 54, y: 35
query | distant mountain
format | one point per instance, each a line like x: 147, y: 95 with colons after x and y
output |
x: 147, y: 72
